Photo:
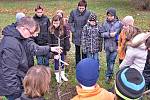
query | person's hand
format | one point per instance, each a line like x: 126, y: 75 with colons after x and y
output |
x: 113, y: 34
x: 56, y: 57
x: 56, y: 49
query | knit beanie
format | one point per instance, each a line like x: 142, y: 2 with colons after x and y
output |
x: 129, y: 83
x: 19, y: 16
x: 128, y: 20
x: 92, y: 17
x: 111, y: 11
x: 87, y: 72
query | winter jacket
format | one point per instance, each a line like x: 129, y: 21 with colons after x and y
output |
x: 32, y: 49
x: 96, y: 94
x: 64, y: 39
x: 146, y: 71
x: 24, y: 97
x: 110, y: 43
x: 77, y: 21
x: 135, y: 57
x: 91, y: 40
x: 43, y: 21
x: 14, y: 59
x: 122, y: 45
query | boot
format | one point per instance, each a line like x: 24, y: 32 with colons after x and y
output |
x: 58, y: 77
x: 63, y: 76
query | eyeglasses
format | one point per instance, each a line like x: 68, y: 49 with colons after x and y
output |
x: 30, y: 31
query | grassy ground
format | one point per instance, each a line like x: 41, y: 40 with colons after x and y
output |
x: 8, y: 10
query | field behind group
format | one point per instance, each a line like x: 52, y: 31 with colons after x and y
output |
x: 8, y: 9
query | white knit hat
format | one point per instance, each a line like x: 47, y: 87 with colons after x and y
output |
x: 19, y: 16
x: 128, y: 20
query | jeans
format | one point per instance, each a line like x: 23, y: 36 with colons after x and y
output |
x: 110, y: 59
x: 93, y: 56
x: 43, y: 60
x: 56, y: 65
x: 78, y: 54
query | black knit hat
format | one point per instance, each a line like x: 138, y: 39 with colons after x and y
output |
x: 92, y: 17
x: 129, y: 84
x: 111, y: 11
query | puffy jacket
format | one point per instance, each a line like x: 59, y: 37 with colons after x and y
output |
x: 91, y: 40
x: 24, y: 97
x: 15, y: 53
x: 110, y: 43
x: 135, y: 57
x: 96, y: 94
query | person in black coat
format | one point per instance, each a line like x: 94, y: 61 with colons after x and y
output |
x: 146, y: 71
x: 42, y: 38
x: 13, y: 57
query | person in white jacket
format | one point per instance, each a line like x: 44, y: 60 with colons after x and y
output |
x: 136, y: 52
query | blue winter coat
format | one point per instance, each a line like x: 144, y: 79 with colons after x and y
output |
x: 110, y: 43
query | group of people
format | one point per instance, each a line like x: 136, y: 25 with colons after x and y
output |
x: 44, y: 38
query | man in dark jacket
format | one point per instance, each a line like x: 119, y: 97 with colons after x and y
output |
x: 13, y: 57
x: 78, y: 18
x: 42, y: 38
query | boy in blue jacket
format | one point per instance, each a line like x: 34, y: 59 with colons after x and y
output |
x: 111, y: 27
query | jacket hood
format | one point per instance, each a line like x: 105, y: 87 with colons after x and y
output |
x: 24, y: 97
x: 11, y: 30
x: 87, y: 93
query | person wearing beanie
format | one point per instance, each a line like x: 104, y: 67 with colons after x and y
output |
x: 129, y: 84
x: 19, y: 15
x: 112, y: 27
x: 91, y: 42
x: 78, y: 19
x: 42, y: 38
x: 127, y: 21
x: 87, y: 74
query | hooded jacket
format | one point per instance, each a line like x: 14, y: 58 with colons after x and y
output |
x: 15, y: 54
x: 95, y: 94
x: 24, y: 97
x: 135, y: 57
x: 91, y: 40
x: 110, y: 43
x: 13, y: 61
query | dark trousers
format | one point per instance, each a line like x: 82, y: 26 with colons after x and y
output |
x: 79, y: 54
x: 57, y: 63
